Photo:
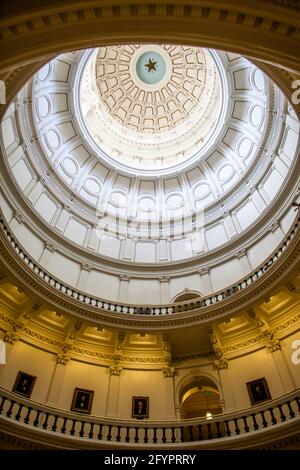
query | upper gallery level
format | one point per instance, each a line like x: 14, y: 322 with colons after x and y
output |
x: 137, y: 173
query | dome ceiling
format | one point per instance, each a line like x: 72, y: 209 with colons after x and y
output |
x: 103, y: 163
x: 150, y: 107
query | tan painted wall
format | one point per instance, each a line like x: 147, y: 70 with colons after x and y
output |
x: 33, y: 361
x: 113, y: 394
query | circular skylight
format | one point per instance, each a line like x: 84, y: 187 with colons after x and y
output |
x: 150, y: 67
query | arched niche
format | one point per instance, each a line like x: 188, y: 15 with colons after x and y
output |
x: 199, y: 398
x: 186, y: 295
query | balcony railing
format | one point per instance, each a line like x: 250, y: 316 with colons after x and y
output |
x: 168, y: 309
x: 35, y: 416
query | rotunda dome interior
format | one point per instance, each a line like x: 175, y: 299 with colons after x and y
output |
x: 150, y: 164
x: 149, y: 226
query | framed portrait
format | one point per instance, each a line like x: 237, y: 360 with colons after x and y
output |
x: 24, y: 384
x: 82, y: 400
x: 140, y: 407
x: 258, y: 391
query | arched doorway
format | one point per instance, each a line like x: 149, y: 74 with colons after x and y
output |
x: 200, y: 398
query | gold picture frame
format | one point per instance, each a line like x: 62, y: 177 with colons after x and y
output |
x: 140, y: 407
x: 24, y: 384
x: 258, y: 391
x: 82, y: 400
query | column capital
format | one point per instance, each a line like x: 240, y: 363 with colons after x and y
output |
x: 241, y: 253
x: 125, y: 277
x: 19, y: 216
x: 62, y: 359
x: 10, y: 337
x: 86, y: 267
x: 50, y: 247
x: 204, y: 271
x: 221, y: 364
x: 274, y: 226
x: 115, y: 370
x: 273, y: 345
x: 168, y: 371
x: 164, y: 278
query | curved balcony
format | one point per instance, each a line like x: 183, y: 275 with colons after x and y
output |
x: 202, y: 307
x: 254, y: 427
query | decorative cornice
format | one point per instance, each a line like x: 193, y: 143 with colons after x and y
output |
x: 287, y: 324
x: 192, y: 356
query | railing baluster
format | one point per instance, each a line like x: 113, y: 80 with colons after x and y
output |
x: 182, y: 438
x: 209, y: 434
x: 72, y: 431
x: 54, y: 425
x: 282, y: 415
x: 18, y: 415
x: 200, y: 435
x: 81, y: 432
x: 45, y: 423
x: 291, y: 411
x: 219, y: 434
x: 154, y: 436
x: 236, y: 426
x: 246, y: 427
x: 27, y: 417
x: 255, y: 425
x: 108, y: 437
x: 146, y: 436
x: 164, y: 439
x: 100, y: 432
x: 9, y: 411
x: 4, y: 399
x: 36, y: 421
x: 63, y: 429
x: 91, y: 432
x: 228, y: 432
x: 127, y: 438
x: 273, y: 419
x: 173, y: 437
x: 264, y: 422
x: 118, y: 437
x: 136, y: 436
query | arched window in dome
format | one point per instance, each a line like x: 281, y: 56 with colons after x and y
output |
x: 186, y: 295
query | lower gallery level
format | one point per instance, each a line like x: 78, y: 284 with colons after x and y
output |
x: 71, y: 385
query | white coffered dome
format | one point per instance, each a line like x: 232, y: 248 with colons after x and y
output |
x: 150, y: 121
x: 159, y: 163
